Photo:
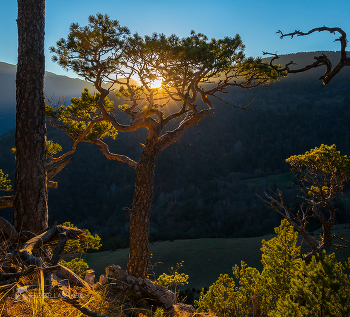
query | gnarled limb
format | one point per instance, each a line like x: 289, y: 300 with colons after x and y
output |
x: 319, y: 60
x: 26, y: 251
x: 55, y: 169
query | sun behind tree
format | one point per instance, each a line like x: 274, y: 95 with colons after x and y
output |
x: 192, y: 68
x: 156, y: 84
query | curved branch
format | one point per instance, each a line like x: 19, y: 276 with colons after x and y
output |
x: 55, y: 169
x: 115, y: 157
x: 172, y: 136
x: 79, y: 139
x: 320, y: 60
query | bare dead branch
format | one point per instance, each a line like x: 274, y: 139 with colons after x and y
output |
x: 8, y: 286
x: 73, y: 279
x: 319, y: 60
x: 59, y: 249
x: 232, y: 105
x: 287, y: 214
x: 172, y: 136
x: 55, y: 169
x: 342, y: 239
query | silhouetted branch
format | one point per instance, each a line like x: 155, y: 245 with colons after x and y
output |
x: 319, y: 60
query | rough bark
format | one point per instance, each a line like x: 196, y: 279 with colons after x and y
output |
x: 30, y: 191
x: 140, y: 215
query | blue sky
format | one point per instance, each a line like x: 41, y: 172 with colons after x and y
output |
x: 256, y: 22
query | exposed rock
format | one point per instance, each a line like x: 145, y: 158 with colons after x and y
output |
x: 115, y: 272
x: 90, y: 277
x: 103, y: 280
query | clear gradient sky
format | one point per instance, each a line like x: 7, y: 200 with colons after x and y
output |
x: 256, y: 22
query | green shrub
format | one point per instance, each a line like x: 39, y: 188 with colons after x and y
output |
x: 286, y: 285
x: 78, y: 265
x: 320, y: 288
x: 174, y: 278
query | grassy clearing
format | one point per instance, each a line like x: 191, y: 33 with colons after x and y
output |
x: 204, y: 259
x: 284, y: 179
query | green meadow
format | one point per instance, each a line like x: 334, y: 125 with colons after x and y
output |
x: 204, y: 259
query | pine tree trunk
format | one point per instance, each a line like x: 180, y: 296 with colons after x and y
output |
x: 30, y: 191
x: 140, y: 216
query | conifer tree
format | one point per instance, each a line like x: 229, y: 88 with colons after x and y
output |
x: 174, y: 74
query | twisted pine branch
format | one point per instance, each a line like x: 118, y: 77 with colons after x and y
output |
x: 319, y: 60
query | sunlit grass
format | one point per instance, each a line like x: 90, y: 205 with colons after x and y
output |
x: 40, y: 304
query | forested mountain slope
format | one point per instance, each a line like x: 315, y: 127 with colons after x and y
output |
x: 202, y: 181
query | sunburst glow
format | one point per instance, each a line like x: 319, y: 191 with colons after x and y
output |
x: 156, y: 84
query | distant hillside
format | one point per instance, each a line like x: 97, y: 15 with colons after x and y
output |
x: 55, y: 86
x: 206, y: 184
x: 58, y: 86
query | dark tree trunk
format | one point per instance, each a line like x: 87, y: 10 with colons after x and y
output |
x: 140, y: 215
x: 30, y: 191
